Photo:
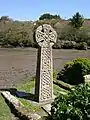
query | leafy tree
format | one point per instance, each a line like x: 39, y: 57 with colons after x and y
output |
x: 77, y: 20
x: 49, y: 16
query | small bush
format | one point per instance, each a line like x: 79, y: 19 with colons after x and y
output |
x: 57, y: 46
x: 74, y: 71
x: 81, y: 46
x: 65, y: 44
x: 68, y: 44
x: 74, y: 106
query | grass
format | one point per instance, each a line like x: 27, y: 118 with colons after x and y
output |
x: 29, y: 86
x: 5, y: 113
x: 58, y: 90
x: 30, y: 106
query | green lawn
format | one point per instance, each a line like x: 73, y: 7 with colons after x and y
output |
x: 5, y: 113
x: 58, y: 90
x: 30, y: 85
x: 27, y: 87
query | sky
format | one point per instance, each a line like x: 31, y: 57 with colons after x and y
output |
x: 33, y: 9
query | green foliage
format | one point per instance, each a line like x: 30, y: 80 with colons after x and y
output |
x: 74, y: 106
x: 55, y: 73
x: 81, y: 46
x: 69, y: 37
x: 16, y: 34
x: 77, y: 20
x: 22, y: 34
x: 49, y: 16
x: 69, y: 33
x: 74, y: 71
x: 68, y: 44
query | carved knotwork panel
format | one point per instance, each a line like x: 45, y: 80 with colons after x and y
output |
x: 46, y: 78
x: 45, y: 35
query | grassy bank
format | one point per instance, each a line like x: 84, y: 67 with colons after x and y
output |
x: 5, y: 113
x: 27, y: 87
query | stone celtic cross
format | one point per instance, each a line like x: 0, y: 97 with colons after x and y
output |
x: 46, y: 37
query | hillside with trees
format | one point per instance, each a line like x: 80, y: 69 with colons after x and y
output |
x: 72, y: 33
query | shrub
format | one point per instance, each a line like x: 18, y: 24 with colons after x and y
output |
x: 81, y: 46
x: 57, y: 46
x: 74, y: 106
x: 68, y: 44
x: 74, y: 71
x: 64, y: 44
x: 55, y: 73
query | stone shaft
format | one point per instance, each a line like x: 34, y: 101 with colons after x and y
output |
x: 44, y: 81
x: 45, y: 37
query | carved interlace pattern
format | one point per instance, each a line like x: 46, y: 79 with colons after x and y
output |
x: 46, y: 37
x: 46, y: 77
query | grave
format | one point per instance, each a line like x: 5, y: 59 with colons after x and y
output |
x: 46, y: 36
